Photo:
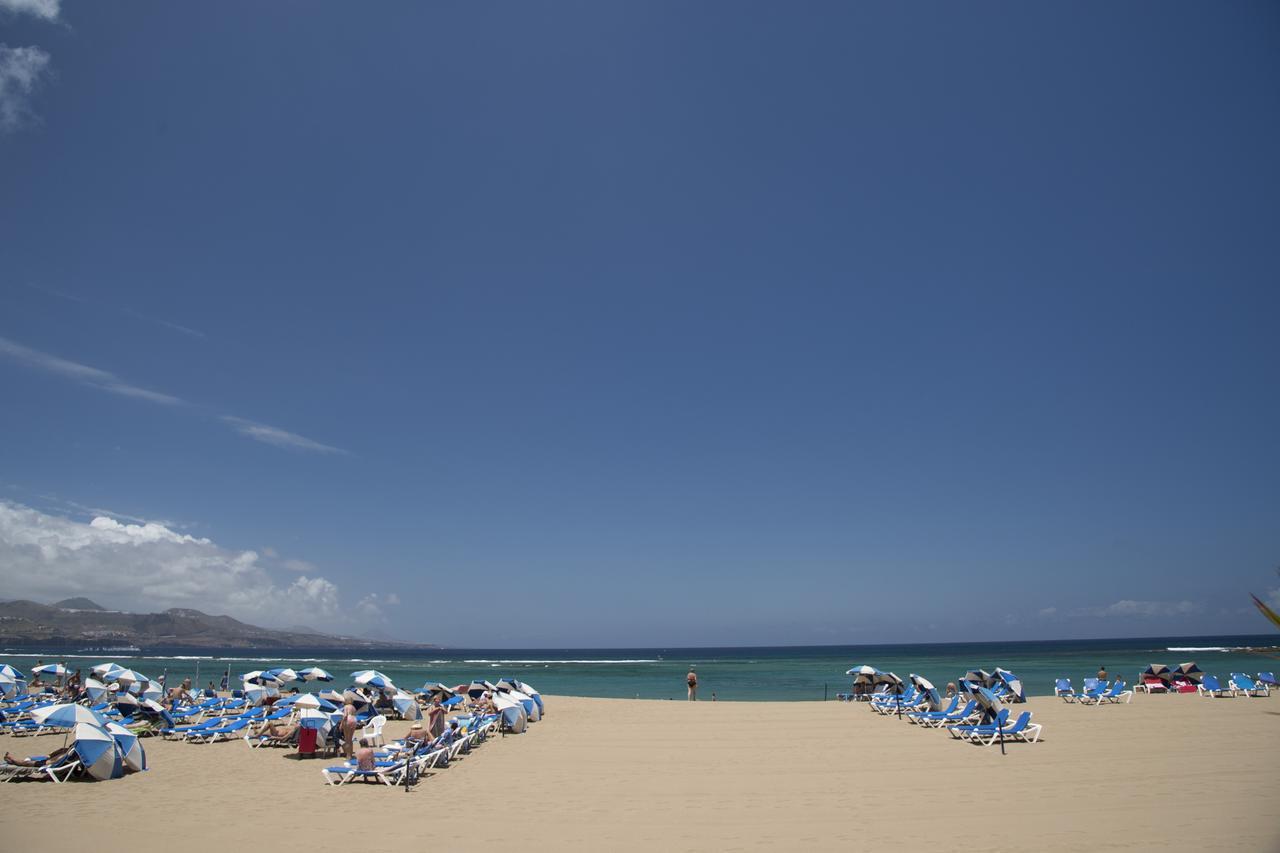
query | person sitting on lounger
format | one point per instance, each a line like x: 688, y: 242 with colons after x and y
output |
x: 416, y: 737
x: 36, y: 761
x: 364, y: 756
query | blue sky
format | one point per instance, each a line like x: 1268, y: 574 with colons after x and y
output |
x: 624, y: 324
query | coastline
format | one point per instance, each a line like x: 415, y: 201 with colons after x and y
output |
x: 1177, y: 772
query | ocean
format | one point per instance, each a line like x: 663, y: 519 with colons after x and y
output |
x: 777, y: 673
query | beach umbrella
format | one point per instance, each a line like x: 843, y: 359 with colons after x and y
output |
x: 332, y: 696
x: 125, y: 676
x: 1189, y: 670
x: 102, y: 669
x: 477, y: 688
x: 372, y: 678
x: 1158, y: 670
x: 980, y: 677
x: 15, y: 674
x: 926, y: 687
x: 10, y: 686
x: 95, y: 689
x: 407, y: 706
x: 67, y: 715
x: 127, y: 703
x: 50, y: 669
x: 258, y: 676
x: 991, y: 708
x: 308, y: 700
x: 98, y: 751
x: 434, y: 688
x: 528, y: 690
x: 131, y: 752
x: 314, y: 673
x: 150, y: 690
x: 1012, y: 682
x: 283, y: 675
x: 256, y: 694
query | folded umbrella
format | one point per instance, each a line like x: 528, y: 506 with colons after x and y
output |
x: 131, y: 751
x: 98, y: 751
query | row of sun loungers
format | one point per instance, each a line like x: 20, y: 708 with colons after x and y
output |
x: 962, y: 723
x: 1240, y: 684
x: 1095, y: 692
x: 402, y: 764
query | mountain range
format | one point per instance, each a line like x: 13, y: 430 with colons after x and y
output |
x: 81, y: 622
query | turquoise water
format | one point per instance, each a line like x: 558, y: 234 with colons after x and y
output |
x: 793, y: 673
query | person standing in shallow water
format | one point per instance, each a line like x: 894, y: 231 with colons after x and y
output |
x: 692, y: 680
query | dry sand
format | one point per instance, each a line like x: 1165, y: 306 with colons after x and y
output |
x: 1166, y: 772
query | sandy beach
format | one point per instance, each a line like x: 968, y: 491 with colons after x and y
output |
x: 1166, y: 772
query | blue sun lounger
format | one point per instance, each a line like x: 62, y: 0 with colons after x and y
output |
x: 920, y: 717
x: 1246, y: 685
x: 1062, y: 688
x: 1021, y: 730
x: 1211, y: 687
x: 968, y: 731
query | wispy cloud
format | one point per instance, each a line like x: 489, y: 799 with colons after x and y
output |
x: 1130, y: 607
x: 47, y: 9
x: 22, y: 69
x: 168, y: 324
x: 106, y: 381
x: 128, y: 312
x: 276, y: 436
x: 100, y: 379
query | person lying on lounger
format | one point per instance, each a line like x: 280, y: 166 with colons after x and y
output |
x: 37, y: 760
x: 365, y: 759
x: 280, y: 731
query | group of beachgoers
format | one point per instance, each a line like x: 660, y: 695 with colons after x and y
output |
x: 1158, y: 678
x: 983, y: 718
x: 445, y: 721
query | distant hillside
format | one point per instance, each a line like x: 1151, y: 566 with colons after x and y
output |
x: 78, y: 604
x: 78, y: 621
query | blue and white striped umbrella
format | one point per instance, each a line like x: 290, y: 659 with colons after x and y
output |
x: 314, y: 673
x: 124, y: 676
x: 66, y: 715
x: 282, y: 674
x: 1013, y: 683
x: 372, y: 678
x: 406, y: 706
x: 131, y: 751
x: 94, y: 688
x: 256, y: 694
x: 10, y: 686
x: 312, y: 718
x: 50, y: 669
x: 153, y: 690
x: 102, y: 669
x: 15, y: 674
x: 98, y: 751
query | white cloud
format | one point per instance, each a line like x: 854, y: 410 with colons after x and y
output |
x: 47, y: 9
x: 21, y: 70
x: 1129, y: 607
x: 147, y: 568
x: 107, y: 381
x: 278, y: 437
x: 100, y: 379
x: 371, y: 605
